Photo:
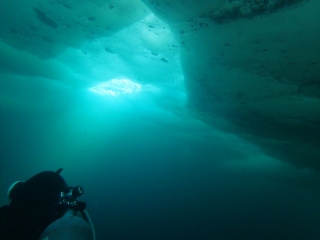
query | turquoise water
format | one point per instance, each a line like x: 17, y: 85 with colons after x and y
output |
x: 183, y: 120
x: 148, y: 174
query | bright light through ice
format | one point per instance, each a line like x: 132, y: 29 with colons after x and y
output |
x: 116, y: 87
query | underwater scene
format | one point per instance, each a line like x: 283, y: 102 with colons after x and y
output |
x: 184, y: 119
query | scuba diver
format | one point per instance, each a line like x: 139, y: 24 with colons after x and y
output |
x: 45, y: 208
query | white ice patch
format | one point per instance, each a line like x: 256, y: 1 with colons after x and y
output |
x: 116, y: 87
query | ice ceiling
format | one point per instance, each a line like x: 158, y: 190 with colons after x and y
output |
x: 250, y: 67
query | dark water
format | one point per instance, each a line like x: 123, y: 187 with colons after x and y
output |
x: 148, y: 174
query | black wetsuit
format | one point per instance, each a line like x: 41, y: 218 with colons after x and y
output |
x: 33, y: 207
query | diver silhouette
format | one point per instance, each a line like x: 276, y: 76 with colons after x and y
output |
x: 45, y: 208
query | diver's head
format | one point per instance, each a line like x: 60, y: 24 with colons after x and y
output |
x: 44, y: 206
x: 13, y: 189
x: 46, y: 185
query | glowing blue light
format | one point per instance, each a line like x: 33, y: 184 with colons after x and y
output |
x: 116, y: 87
